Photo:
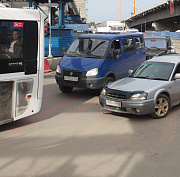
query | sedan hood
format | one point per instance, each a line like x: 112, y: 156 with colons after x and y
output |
x: 80, y: 63
x: 136, y: 84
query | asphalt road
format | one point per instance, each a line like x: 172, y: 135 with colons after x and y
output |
x: 71, y: 137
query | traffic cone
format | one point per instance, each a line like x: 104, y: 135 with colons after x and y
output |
x: 46, y: 66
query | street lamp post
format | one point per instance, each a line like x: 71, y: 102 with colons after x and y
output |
x: 50, y: 29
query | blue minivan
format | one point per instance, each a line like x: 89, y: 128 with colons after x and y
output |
x: 94, y: 60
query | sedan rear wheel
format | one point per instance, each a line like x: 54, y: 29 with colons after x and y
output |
x: 162, y: 107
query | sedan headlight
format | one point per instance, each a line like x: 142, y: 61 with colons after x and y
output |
x: 139, y: 96
x: 58, y: 69
x: 92, y: 72
x: 103, y: 92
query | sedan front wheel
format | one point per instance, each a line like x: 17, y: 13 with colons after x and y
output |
x: 162, y: 107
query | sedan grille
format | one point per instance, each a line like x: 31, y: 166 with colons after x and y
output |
x: 118, y: 94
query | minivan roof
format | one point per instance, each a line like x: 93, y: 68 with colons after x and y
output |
x: 110, y: 36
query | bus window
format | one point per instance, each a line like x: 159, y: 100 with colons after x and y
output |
x: 18, y: 46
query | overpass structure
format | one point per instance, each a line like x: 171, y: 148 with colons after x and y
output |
x: 163, y: 16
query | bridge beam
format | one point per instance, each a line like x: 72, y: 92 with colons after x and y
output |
x: 158, y: 19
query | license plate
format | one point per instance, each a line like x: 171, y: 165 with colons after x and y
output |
x: 113, y: 103
x: 70, y: 78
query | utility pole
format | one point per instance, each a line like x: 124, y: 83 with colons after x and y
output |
x: 50, y: 29
x: 119, y: 10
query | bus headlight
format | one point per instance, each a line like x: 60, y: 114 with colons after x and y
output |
x: 139, y: 96
x: 92, y: 72
x: 58, y: 69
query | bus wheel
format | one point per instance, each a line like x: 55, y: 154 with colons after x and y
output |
x: 65, y: 89
x: 109, y: 80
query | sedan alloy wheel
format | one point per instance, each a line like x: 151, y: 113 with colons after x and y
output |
x: 162, y: 107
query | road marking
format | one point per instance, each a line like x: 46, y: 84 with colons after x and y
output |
x: 48, y: 112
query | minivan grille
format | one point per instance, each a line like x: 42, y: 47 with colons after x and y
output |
x: 73, y: 74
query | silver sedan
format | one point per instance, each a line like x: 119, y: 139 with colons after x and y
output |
x: 152, y: 88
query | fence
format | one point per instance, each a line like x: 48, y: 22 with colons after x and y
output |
x: 172, y: 35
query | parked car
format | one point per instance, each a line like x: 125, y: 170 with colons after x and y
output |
x: 94, y: 60
x: 158, y: 45
x: 153, y: 88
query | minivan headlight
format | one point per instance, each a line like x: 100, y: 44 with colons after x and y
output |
x: 58, y: 69
x: 92, y: 72
x: 139, y: 96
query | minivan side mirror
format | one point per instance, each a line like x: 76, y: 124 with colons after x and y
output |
x: 115, y: 54
x: 177, y: 76
x: 63, y: 50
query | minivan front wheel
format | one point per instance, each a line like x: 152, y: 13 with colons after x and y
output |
x: 65, y: 89
x: 161, y: 107
x: 109, y: 80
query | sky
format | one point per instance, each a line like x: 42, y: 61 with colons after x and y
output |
x: 102, y: 10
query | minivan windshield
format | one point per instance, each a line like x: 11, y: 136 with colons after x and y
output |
x: 88, y: 47
x: 153, y: 70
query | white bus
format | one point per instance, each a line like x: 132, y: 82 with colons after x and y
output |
x: 21, y: 63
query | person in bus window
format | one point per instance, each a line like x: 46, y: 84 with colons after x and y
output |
x: 16, y: 46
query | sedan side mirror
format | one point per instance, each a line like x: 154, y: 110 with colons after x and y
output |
x: 130, y: 71
x: 177, y: 76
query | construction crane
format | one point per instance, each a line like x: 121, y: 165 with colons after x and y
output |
x: 134, y: 8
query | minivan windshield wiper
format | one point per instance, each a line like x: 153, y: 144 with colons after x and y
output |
x: 93, y: 56
x: 73, y: 54
x: 98, y: 45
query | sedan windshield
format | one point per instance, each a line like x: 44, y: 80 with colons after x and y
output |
x: 88, y: 47
x: 153, y: 70
x: 155, y: 43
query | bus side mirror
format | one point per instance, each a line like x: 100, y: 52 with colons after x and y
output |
x: 63, y: 51
x: 115, y: 54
